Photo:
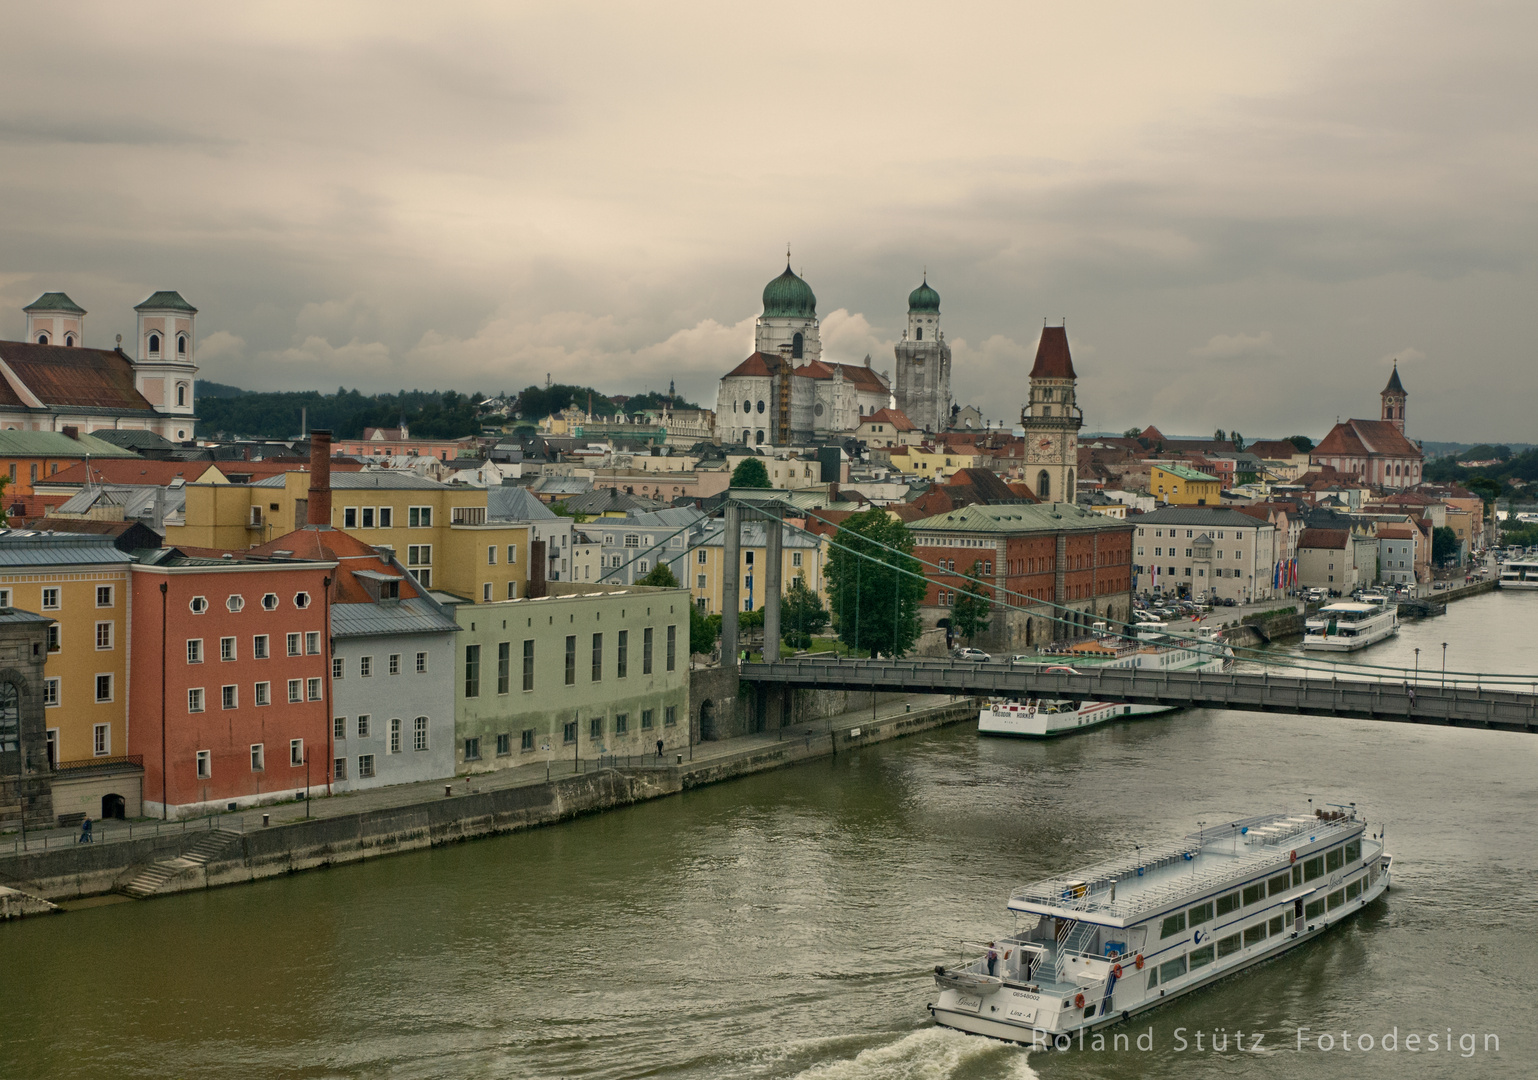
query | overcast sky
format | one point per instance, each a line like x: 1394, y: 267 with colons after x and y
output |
x: 1244, y: 211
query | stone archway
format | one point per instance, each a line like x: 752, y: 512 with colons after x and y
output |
x: 113, y: 807
x: 708, y: 721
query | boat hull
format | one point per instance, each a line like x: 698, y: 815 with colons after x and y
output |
x: 1019, y: 722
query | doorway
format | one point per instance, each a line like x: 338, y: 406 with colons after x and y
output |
x: 113, y: 807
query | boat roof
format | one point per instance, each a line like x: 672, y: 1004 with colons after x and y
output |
x: 1349, y: 605
x: 1135, y: 886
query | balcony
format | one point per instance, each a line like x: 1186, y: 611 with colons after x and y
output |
x: 115, y: 763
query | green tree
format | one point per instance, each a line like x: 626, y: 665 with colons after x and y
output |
x: 1302, y: 442
x: 750, y: 473
x: 1486, y: 487
x: 661, y: 577
x: 1220, y: 435
x: 1132, y: 433
x: 801, y: 615
x: 1237, y: 439
x: 1444, y: 544
x: 704, y: 631
x: 969, y: 611
x: 560, y: 509
x: 875, y: 585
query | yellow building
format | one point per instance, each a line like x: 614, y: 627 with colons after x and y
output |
x: 440, y: 532
x: 934, y: 463
x: 81, y: 582
x: 1180, y: 486
x: 801, y: 555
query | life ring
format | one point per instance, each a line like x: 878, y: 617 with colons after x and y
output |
x: 995, y: 708
x: 1294, y: 857
x: 1138, y: 960
x: 1030, y: 710
x: 1116, y: 970
x: 1078, y: 1001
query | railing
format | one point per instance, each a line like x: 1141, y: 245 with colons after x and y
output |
x: 118, y: 761
x: 115, y: 832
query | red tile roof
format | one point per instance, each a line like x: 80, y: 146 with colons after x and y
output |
x: 863, y: 377
x: 73, y: 377
x: 896, y: 417
x: 1323, y: 538
x: 759, y: 364
x: 1273, y: 449
x: 1367, y: 437
x: 350, y: 552
x: 161, y: 473
x: 1052, y: 358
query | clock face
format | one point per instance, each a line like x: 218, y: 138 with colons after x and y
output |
x: 1044, y: 444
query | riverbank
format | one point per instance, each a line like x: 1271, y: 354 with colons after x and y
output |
x: 237, y: 848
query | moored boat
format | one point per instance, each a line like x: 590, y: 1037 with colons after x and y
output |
x: 1519, y: 575
x: 1350, y: 625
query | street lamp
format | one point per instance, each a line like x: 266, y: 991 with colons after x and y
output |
x: 1417, y: 666
x: 1444, y: 665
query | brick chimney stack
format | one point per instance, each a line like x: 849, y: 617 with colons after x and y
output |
x: 320, y: 478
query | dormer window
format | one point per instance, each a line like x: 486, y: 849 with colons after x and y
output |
x: 154, y: 344
x: 69, y: 341
x: 42, y: 339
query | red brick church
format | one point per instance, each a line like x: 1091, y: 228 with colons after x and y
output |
x: 1376, y: 452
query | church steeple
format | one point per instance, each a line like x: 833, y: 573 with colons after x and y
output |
x: 1394, y: 397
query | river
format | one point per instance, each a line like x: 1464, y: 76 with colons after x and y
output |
x: 783, y: 925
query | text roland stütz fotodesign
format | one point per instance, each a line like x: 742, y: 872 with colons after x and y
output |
x: 1307, y: 1040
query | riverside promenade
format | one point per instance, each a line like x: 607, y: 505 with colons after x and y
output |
x: 146, y: 858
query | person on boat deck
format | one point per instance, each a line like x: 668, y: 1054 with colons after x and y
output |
x: 993, y: 957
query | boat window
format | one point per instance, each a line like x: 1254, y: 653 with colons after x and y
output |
x: 1353, y: 851
x: 1254, y: 935
x: 1228, y: 903
x: 1333, y: 859
x: 1228, y: 945
x: 1153, y: 978
x: 1336, y: 898
x: 1201, y: 957
x: 1313, y: 868
x: 1314, y: 910
x: 1287, y: 917
x: 1275, y: 926
x: 1297, y: 876
x: 1279, y: 884
x: 1172, y: 969
x: 1253, y: 894
x: 1199, y: 914
x: 1173, y: 924
x: 1354, y: 889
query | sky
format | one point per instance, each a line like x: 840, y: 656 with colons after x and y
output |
x: 1244, y: 212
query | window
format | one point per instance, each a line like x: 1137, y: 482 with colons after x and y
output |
x: 5, y: 594
x: 51, y: 691
x: 646, y: 719
x: 312, y: 689
x: 51, y: 599
x: 472, y: 749
x: 420, y: 733
x: 103, y: 596
x: 1274, y: 927
x: 229, y: 697
x: 512, y: 590
x: 195, y: 699
x: 491, y: 555
x: 419, y: 517
x: 270, y: 602
x: 1173, y: 924
x: 419, y: 554
x: 395, y: 735
x: 527, y: 742
x: 234, y: 603
x: 672, y: 647
x: 339, y: 727
x: 53, y: 637
x: 1354, y: 889
x: 1333, y: 860
x: 569, y: 733
x: 1172, y: 969
x: 365, y: 766
x: 194, y: 650
x: 571, y: 660
x: 1254, y: 935
x: 259, y: 646
x: 350, y: 517
x: 595, y: 727
x: 421, y: 663
x: 699, y: 556
x: 528, y: 664
x: 670, y: 716
x: 597, y: 657
x: 622, y: 655
x: 395, y: 663
x: 198, y: 604
x: 101, y: 740
x: 1314, y: 910
x: 205, y: 764
x: 368, y: 517
x: 795, y: 558
x: 700, y: 583
x: 1199, y: 914
x: 472, y: 671
x: 296, y: 751
x: 1200, y: 957
x: 338, y: 667
x: 646, y: 651
x: 295, y: 642
x: 312, y: 643
x: 264, y: 693
x: 301, y: 600
x: 504, y: 666
x: 227, y: 648
x: 486, y: 593
x: 365, y: 667
x: 1279, y: 884
x: 258, y: 757
x: 1228, y: 946
x: 504, y: 744
x: 103, y: 636
x: 1313, y: 868
x: 621, y: 723
x: 512, y: 553
x: 1253, y: 894
x: 1353, y: 851
x: 295, y: 690
x: 1336, y: 899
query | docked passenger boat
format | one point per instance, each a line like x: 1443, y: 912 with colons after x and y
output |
x: 1519, y: 575
x: 1158, y: 650
x: 1099, y: 945
x: 1350, y: 625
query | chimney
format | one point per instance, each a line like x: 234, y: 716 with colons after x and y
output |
x: 72, y: 431
x: 536, y: 587
x: 320, y: 478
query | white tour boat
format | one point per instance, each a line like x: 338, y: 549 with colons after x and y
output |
x: 1347, y: 625
x: 1158, y: 649
x: 1106, y: 942
x: 1519, y: 575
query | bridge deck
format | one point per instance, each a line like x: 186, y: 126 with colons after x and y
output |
x: 1456, y: 706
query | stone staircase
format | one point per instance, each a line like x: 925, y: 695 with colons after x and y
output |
x: 148, y: 880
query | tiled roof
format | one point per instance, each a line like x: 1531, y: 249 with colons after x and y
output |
x: 896, y: 417
x: 55, y: 301
x: 57, y: 444
x: 759, y: 364
x: 1367, y: 437
x: 127, y: 470
x: 1039, y: 517
x: 1206, y: 516
x: 862, y: 377
x: 1272, y: 449
x: 1052, y: 358
x: 74, y: 377
x: 1323, y: 538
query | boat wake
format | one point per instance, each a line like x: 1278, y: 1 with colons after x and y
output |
x: 931, y: 1054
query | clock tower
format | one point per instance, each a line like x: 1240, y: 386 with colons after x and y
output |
x: 1052, y: 420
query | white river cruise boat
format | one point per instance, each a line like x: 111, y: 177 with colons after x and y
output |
x: 1109, y: 941
x: 1348, y: 626
x: 1519, y: 575
x: 1159, y: 650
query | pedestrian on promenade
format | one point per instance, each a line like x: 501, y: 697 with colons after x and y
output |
x: 85, y: 831
x: 659, y: 747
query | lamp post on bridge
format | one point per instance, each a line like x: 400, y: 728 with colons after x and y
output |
x: 1417, y: 665
x: 1444, y: 665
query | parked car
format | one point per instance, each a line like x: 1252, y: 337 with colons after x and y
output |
x: 972, y: 654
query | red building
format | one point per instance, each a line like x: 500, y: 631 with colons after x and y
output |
x: 229, y: 669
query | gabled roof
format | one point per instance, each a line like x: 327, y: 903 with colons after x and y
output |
x: 512, y: 503
x: 1324, y: 538
x: 1048, y: 517
x: 862, y: 377
x: 1208, y: 517
x: 1052, y: 358
x: 55, y: 375
x: 759, y: 364
x: 1273, y: 449
x: 1366, y: 437
x: 896, y: 417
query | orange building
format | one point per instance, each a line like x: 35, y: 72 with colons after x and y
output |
x: 29, y: 456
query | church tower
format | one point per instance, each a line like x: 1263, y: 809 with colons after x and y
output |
x: 164, y: 370
x: 1052, y: 420
x: 55, y: 319
x: 923, y: 388
x: 789, y: 318
x: 1393, y: 400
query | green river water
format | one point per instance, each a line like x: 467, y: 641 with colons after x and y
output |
x: 784, y: 925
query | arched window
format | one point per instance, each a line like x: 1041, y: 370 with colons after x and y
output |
x: 181, y: 393
x: 181, y: 344
x: 42, y: 339
x: 154, y: 344
x: 759, y: 438
x: 69, y: 340
x: 918, y: 334
x: 1070, y: 479
x: 797, y: 345
x: 1043, y: 485
x: 760, y: 406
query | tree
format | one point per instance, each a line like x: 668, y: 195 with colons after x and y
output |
x: 661, y: 577
x: 750, y: 473
x: 1444, y: 544
x: 1487, y: 488
x: 704, y: 631
x: 1237, y: 439
x: 969, y: 611
x: 1220, y: 435
x: 801, y: 615
x: 875, y: 585
x: 1302, y: 442
x: 560, y: 509
x: 1132, y: 433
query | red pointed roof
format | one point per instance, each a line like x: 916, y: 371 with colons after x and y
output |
x: 863, y: 377
x: 896, y: 417
x: 760, y: 364
x: 1367, y: 437
x: 1052, y: 358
